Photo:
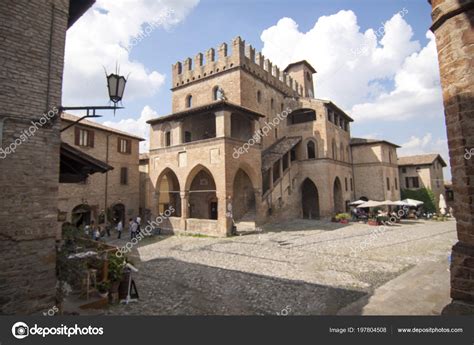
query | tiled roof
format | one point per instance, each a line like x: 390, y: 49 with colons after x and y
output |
x: 88, y: 123
x: 421, y: 159
x: 365, y: 141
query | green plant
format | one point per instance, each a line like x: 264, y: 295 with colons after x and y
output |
x: 424, y: 194
x: 344, y: 216
x: 116, y: 266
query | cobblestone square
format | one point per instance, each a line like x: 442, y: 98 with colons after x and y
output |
x: 300, y: 267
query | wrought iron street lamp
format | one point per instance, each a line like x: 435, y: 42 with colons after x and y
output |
x: 116, y: 86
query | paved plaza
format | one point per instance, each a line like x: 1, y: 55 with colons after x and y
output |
x: 300, y: 267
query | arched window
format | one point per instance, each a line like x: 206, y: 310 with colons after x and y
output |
x: 311, y: 149
x: 189, y: 101
x: 215, y: 93
x: 259, y: 96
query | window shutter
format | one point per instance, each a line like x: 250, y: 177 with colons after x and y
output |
x: 118, y: 144
x: 91, y: 138
x: 129, y: 146
x: 77, y: 133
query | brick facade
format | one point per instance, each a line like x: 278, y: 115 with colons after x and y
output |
x: 453, y: 27
x: 32, y: 57
x: 270, y: 181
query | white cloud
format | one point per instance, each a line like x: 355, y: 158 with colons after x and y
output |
x: 424, y: 144
x: 137, y: 127
x: 100, y: 39
x: 346, y: 59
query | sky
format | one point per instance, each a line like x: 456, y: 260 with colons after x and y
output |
x: 376, y: 59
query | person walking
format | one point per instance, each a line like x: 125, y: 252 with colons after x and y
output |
x: 119, y: 229
x: 133, y: 226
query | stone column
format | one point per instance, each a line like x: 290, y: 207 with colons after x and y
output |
x: 452, y: 26
x: 223, y: 123
x: 184, y: 208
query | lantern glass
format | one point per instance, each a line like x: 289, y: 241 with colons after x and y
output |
x: 116, y: 86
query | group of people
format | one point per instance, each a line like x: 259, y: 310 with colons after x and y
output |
x: 133, y: 227
x: 96, y: 232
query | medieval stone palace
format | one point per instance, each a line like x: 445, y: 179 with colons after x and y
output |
x: 247, y: 143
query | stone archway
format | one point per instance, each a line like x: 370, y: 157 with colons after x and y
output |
x: 169, y: 197
x: 81, y: 215
x: 243, y: 196
x: 337, y: 196
x: 309, y: 200
x: 117, y: 213
x: 202, y: 195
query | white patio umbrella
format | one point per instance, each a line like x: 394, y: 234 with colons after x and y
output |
x: 413, y: 202
x: 400, y: 203
x: 371, y: 203
x: 442, y: 204
x: 357, y: 202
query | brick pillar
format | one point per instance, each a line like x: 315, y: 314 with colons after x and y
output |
x: 184, y: 209
x: 223, y: 123
x: 452, y: 25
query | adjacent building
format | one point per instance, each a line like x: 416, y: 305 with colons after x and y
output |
x: 111, y: 196
x: 423, y: 171
x: 375, y: 169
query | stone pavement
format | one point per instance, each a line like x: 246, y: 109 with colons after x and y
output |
x: 300, y: 267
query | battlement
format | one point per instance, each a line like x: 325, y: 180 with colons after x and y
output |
x: 240, y: 56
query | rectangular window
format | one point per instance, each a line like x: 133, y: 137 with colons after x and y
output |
x: 276, y: 170
x: 396, y: 184
x: 407, y: 182
x: 285, y: 162
x: 345, y: 183
x: 266, y: 181
x: 388, y: 183
x: 404, y: 170
x: 187, y: 137
x: 293, y: 154
x: 416, y: 182
x: 84, y: 137
x: 352, y: 187
x: 124, y: 176
x: 124, y: 145
x: 168, y: 139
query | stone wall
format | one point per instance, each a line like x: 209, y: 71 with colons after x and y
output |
x: 453, y: 22
x: 31, y: 81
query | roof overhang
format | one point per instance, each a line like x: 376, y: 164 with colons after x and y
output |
x: 214, y: 106
x: 76, y: 166
x: 76, y: 9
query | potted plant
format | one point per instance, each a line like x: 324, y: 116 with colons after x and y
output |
x: 343, y: 218
x: 372, y: 221
x: 115, y: 272
x: 103, y: 288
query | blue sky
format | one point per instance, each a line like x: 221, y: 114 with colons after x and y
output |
x: 391, y: 89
